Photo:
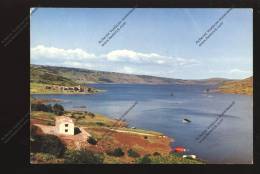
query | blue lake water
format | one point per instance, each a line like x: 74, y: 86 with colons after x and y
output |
x: 230, y: 142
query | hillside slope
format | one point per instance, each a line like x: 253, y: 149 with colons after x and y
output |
x: 40, y: 75
x: 84, y: 76
x: 244, y: 86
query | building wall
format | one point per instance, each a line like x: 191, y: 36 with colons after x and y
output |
x: 61, y: 127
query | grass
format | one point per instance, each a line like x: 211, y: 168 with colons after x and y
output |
x: 44, y: 158
x: 40, y: 88
x: 142, y: 131
x: 244, y: 87
x: 41, y: 75
x: 100, y: 124
x: 41, y: 114
x: 169, y: 159
x: 97, y: 121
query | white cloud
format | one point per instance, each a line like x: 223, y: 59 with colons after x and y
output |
x: 42, y: 51
x: 183, y: 62
x: 239, y: 71
x: 77, y: 64
x: 126, y: 56
x: 124, y: 61
x: 152, y: 58
x: 135, y: 57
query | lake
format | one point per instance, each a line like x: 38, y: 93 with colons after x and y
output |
x: 230, y: 142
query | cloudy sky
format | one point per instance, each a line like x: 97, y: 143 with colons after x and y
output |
x: 159, y: 42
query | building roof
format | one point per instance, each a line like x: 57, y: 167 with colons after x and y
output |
x: 60, y: 119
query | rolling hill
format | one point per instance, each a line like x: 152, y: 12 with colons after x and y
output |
x: 84, y: 76
x: 44, y: 76
x: 244, y: 86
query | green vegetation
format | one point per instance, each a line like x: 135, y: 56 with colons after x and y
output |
x: 65, y: 75
x: 100, y: 123
x: 48, y: 144
x: 83, y: 157
x: 133, y: 153
x: 91, y: 114
x: 44, y: 157
x: 143, y: 131
x: 50, y: 148
x: 118, y: 152
x: 44, y: 76
x: 144, y: 160
x: 41, y: 107
x: 92, y: 141
x: 167, y: 159
x: 76, y: 130
x: 56, y: 108
x: 41, y: 88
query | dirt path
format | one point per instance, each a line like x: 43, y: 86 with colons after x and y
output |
x: 133, y: 132
x: 128, y: 131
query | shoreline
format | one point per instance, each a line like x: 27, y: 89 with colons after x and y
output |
x: 41, y: 88
x: 122, y: 136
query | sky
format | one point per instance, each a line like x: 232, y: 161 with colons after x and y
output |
x: 153, y: 41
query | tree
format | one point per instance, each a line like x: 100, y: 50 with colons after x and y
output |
x: 41, y: 107
x: 83, y: 157
x: 76, y: 130
x: 91, y: 114
x: 92, y: 141
x: 58, y: 109
x: 118, y: 152
x: 49, y: 144
x: 144, y: 160
x: 133, y: 153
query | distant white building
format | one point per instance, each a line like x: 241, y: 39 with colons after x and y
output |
x: 64, y: 125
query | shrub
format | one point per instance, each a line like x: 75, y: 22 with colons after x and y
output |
x: 118, y: 152
x: 156, y: 154
x: 144, y: 160
x: 82, y: 156
x: 48, y: 144
x: 172, y: 159
x: 91, y: 114
x: 92, y: 141
x: 34, y: 130
x: 43, y: 158
x: 100, y: 124
x: 145, y: 137
x: 76, y: 130
x: 41, y: 107
x: 58, y: 109
x: 133, y: 153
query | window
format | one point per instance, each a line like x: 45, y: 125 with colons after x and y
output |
x: 66, y: 125
x: 66, y: 130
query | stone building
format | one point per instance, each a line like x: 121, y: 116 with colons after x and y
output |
x: 64, y: 125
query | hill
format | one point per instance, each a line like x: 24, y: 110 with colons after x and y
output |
x: 50, y: 81
x: 41, y: 75
x: 84, y: 76
x: 244, y: 86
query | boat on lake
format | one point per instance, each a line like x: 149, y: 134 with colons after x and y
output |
x: 185, y: 120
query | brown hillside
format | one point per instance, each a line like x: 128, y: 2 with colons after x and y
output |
x: 244, y: 86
